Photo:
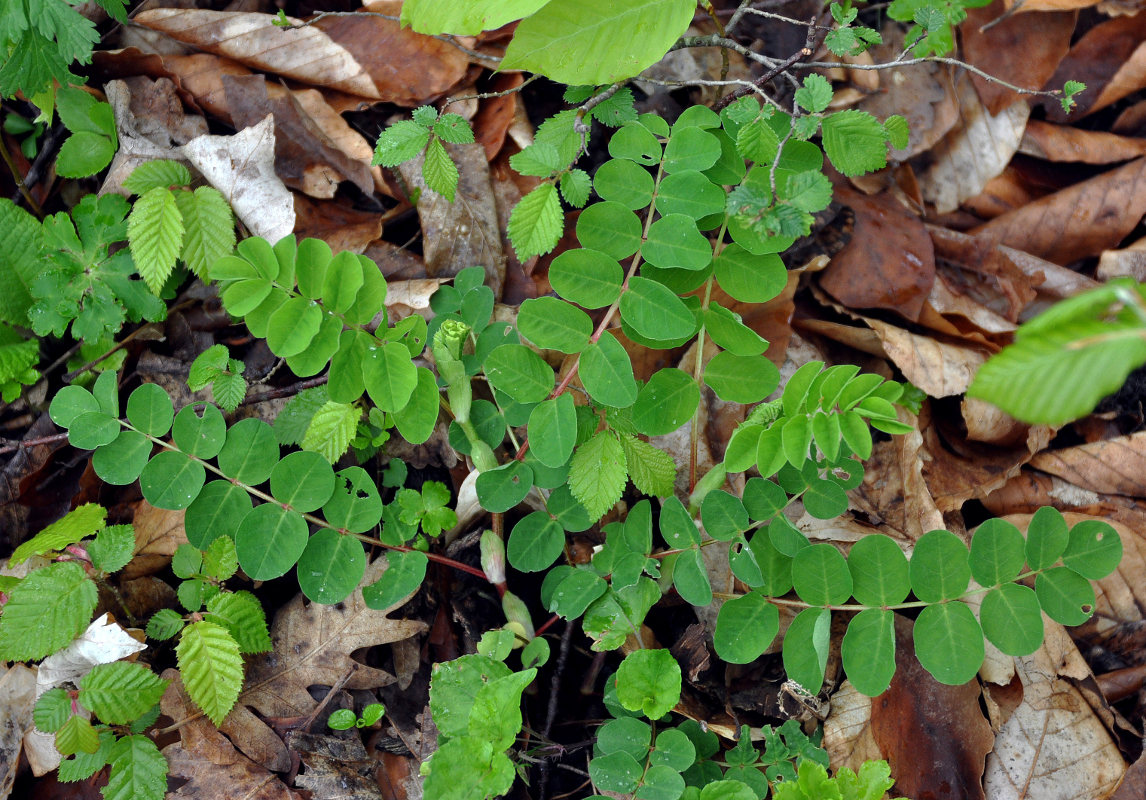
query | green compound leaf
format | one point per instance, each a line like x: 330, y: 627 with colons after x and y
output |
x: 250, y: 452
x: 269, y: 541
x: 691, y: 149
x: 748, y: 277
x: 155, y: 232
x: 112, y: 548
x: 1065, y: 596
x: 519, y: 372
x: 199, y: 435
x: 211, y: 668
x: 93, y: 429
x: 637, y: 143
x: 806, y: 645
x: 690, y: 579
x: 655, y: 312
x: 689, y: 193
x: 939, y: 567
x: 417, y: 420
x: 553, y: 430
x: 588, y: 49
x: 500, y: 489
x: 879, y: 571
x: 649, y: 681
x: 1012, y: 619
x: 120, y: 692
x: 331, y: 430
x: 77, y: 524
x: 588, y: 278
x: 439, y: 170
x: 171, y: 480
x: 149, y: 410
x: 45, y: 611
x: 723, y: 515
x: 242, y: 615
x: 610, y: 228
x: 535, y: 542
x: 331, y: 567
x: 868, y: 651
x: 535, y: 224
x: 302, y: 480
x: 949, y: 642
x: 745, y: 627
x: 607, y: 373
x: 598, y: 473
x: 553, y: 324
x: 855, y: 142
x: 820, y: 575
x: 210, y: 225
x: 1047, y: 538
x: 675, y: 242
x: 666, y: 402
x: 730, y: 333
x: 734, y: 790
x: 293, y: 326
x: 1094, y: 549
x: 741, y: 379
x: 217, y: 511
x: 625, y: 182
x: 71, y: 402
x: 997, y: 553
x: 573, y: 590
x: 355, y: 505
x: 825, y: 499
x: 402, y: 577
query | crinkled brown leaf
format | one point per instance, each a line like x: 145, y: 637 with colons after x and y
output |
x: 1063, y: 143
x: 1096, y: 59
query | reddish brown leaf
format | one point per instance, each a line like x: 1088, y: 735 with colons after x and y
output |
x: 1043, y: 39
x: 1062, y: 143
x: 1096, y: 59
x: 890, y: 261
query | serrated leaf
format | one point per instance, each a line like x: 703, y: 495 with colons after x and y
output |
x: 855, y: 142
x: 155, y: 233
x: 45, y: 611
x: 331, y: 429
x: 809, y: 191
x: 154, y: 174
x: 242, y: 615
x: 19, y: 262
x: 598, y: 472
x: 112, y: 548
x: 439, y: 170
x: 138, y: 770
x: 120, y: 692
x: 453, y: 128
x: 897, y: 131
x: 229, y: 390
x: 651, y: 469
x: 815, y: 95
x: 539, y: 160
x: 75, y: 525
x: 400, y: 142
x: 82, y: 766
x: 575, y: 187
x: 211, y: 668
x: 164, y: 624
x: 210, y: 228
x: 535, y: 224
x: 77, y: 736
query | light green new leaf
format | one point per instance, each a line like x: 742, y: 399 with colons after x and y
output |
x: 855, y: 142
x: 815, y: 95
x: 652, y: 470
x: 400, y: 142
x: 465, y: 17
x: 330, y: 430
x: 78, y: 523
x: 210, y: 228
x: 159, y: 173
x: 649, y: 681
x: 439, y: 170
x: 597, y: 41
x: 535, y: 223
x: 45, y: 611
x: 598, y: 473
x: 155, y: 232
x: 19, y: 263
x: 120, y: 692
x: 211, y: 667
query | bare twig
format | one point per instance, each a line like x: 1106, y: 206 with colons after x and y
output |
x: 11, y: 448
x: 487, y: 95
x: 19, y: 179
x: 933, y: 59
x: 579, y: 124
x: 722, y: 41
x: 804, y: 52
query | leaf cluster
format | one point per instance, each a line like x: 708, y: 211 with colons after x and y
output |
x: 424, y: 135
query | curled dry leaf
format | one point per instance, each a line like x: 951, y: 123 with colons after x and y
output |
x: 306, y: 54
x: 1062, y: 143
x: 158, y: 533
x: 1097, y: 59
x: 1080, y: 221
x: 242, y: 167
x: 1130, y: 261
x: 340, y: 225
x: 1110, y: 466
x: 209, y: 764
x: 972, y: 152
x: 1043, y: 39
x: 17, y: 698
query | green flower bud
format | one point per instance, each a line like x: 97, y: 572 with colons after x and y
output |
x: 493, y: 557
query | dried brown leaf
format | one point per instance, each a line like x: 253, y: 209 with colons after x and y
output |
x: 1062, y: 143
x: 1096, y: 59
x: 1110, y: 466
